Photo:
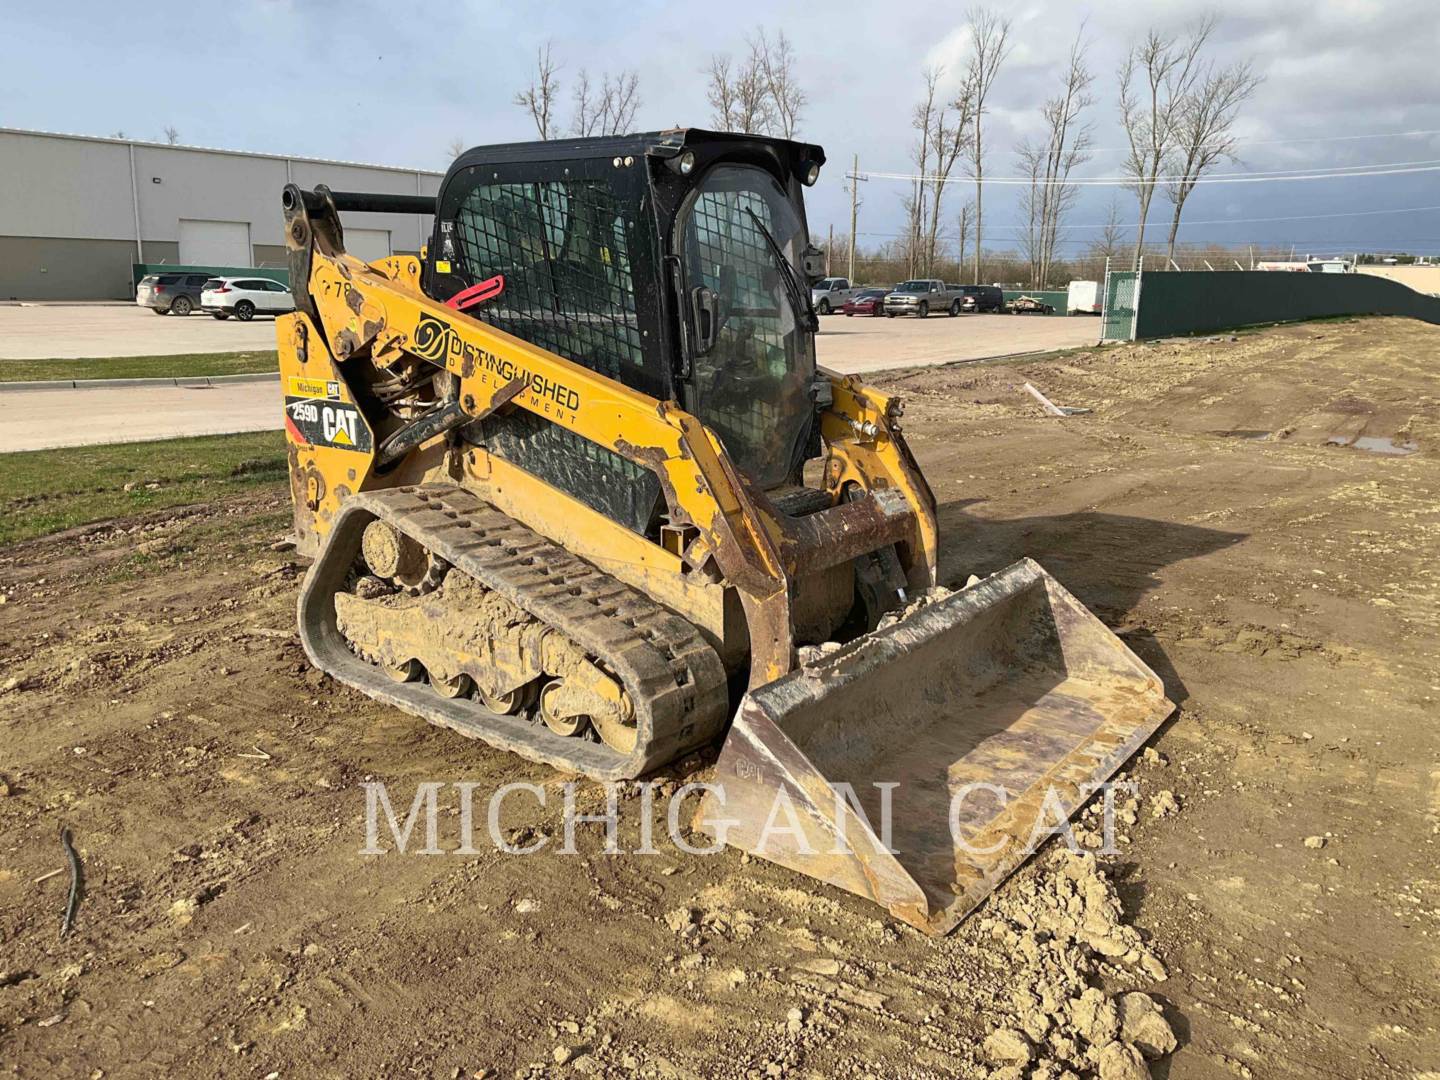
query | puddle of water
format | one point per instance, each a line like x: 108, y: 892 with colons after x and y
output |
x: 1376, y: 444
x: 1253, y: 434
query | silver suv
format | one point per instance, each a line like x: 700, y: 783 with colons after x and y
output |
x: 831, y: 294
x: 170, y: 294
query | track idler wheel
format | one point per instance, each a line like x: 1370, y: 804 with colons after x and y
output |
x: 458, y: 687
x: 557, y: 717
x: 395, y: 557
x: 409, y: 671
x: 510, y: 704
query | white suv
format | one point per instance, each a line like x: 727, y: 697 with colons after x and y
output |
x: 245, y: 298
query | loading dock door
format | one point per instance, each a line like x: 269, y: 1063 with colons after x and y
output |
x: 368, y: 245
x: 215, y: 243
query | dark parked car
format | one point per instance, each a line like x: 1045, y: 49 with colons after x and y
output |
x: 866, y: 302
x: 165, y: 294
x: 981, y: 298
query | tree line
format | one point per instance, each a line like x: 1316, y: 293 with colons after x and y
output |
x: 1176, y: 103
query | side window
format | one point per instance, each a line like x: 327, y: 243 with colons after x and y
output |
x: 841, y: 283
x: 196, y: 280
x: 564, y: 248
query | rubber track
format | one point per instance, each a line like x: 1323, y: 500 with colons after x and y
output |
x: 675, y: 680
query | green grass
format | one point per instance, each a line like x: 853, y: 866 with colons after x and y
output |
x: 186, y: 365
x: 45, y: 491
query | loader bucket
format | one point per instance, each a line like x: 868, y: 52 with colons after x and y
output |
x: 986, y: 719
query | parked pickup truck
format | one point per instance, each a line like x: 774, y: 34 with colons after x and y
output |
x: 921, y: 297
x: 831, y: 294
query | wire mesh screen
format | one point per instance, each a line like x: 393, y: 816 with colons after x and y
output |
x: 751, y: 387
x: 565, y: 249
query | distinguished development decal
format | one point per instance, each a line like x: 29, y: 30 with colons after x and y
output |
x: 434, y: 341
x: 326, y: 423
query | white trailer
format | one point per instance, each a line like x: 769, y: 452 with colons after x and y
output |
x: 1084, y: 298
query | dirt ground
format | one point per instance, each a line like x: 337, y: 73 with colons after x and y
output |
x: 1281, y: 863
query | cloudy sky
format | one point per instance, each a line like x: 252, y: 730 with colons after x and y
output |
x: 359, y: 81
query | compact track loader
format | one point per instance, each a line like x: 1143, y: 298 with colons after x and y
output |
x: 574, y: 486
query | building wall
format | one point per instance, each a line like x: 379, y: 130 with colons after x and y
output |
x: 62, y: 268
x: 68, y: 209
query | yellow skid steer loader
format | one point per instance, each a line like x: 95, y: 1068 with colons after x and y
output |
x: 575, y: 486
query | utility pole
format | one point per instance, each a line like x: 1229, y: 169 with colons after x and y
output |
x: 855, y: 179
x: 829, y: 247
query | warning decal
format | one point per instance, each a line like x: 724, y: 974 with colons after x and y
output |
x: 326, y: 423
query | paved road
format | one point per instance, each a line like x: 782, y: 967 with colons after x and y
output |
x: 41, y: 419
x: 852, y: 345
x: 65, y: 331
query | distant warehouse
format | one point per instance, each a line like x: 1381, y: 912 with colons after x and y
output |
x: 77, y: 213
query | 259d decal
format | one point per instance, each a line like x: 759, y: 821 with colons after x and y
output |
x: 326, y: 423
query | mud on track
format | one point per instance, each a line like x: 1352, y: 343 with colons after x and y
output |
x: 1284, y: 588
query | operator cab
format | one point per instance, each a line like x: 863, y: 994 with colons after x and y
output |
x: 677, y: 263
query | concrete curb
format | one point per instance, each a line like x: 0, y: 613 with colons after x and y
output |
x: 182, y: 382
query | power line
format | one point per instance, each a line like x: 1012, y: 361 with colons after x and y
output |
x: 1286, y: 142
x: 1287, y: 217
x: 1129, y: 226
x: 1334, y: 173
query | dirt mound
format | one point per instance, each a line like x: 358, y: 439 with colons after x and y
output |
x: 1064, y: 928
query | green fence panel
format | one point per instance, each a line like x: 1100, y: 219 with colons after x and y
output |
x: 1122, y: 296
x: 1059, y: 299
x: 274, y: 273
x: 1195, y: 302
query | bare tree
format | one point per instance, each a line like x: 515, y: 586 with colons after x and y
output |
x: 585, y: 120
x: 1030, y: 158
x: 720, y: 93
x: 172, y: 134
x: 782, y: 85
x: 761, y: 96
x: 739, y: 98
x: 1204, y: 132
x: 539, y: 97
x: 620, y: 97
x: 949, y: 139
x: 1156, y: 79
x: 1067, y: 145
x: 455, y: 147
x: 753, y: 111
x: 989, y: 45
x: 922, y: 119
x: 1106, y: 246
x: 967, y: 212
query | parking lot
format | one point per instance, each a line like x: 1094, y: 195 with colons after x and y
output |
x: 40, y: 331
x: 855, y: 344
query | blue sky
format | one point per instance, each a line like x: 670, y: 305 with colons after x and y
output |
x: 366, y: 81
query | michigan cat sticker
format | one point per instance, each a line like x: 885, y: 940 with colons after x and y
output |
x: 326, y: 423
x: 314, y: 388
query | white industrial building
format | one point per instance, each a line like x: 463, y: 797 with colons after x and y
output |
x: 77, y: 211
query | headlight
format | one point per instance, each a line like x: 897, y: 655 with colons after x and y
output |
x: 683, y: 162
x: 811, y: 173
